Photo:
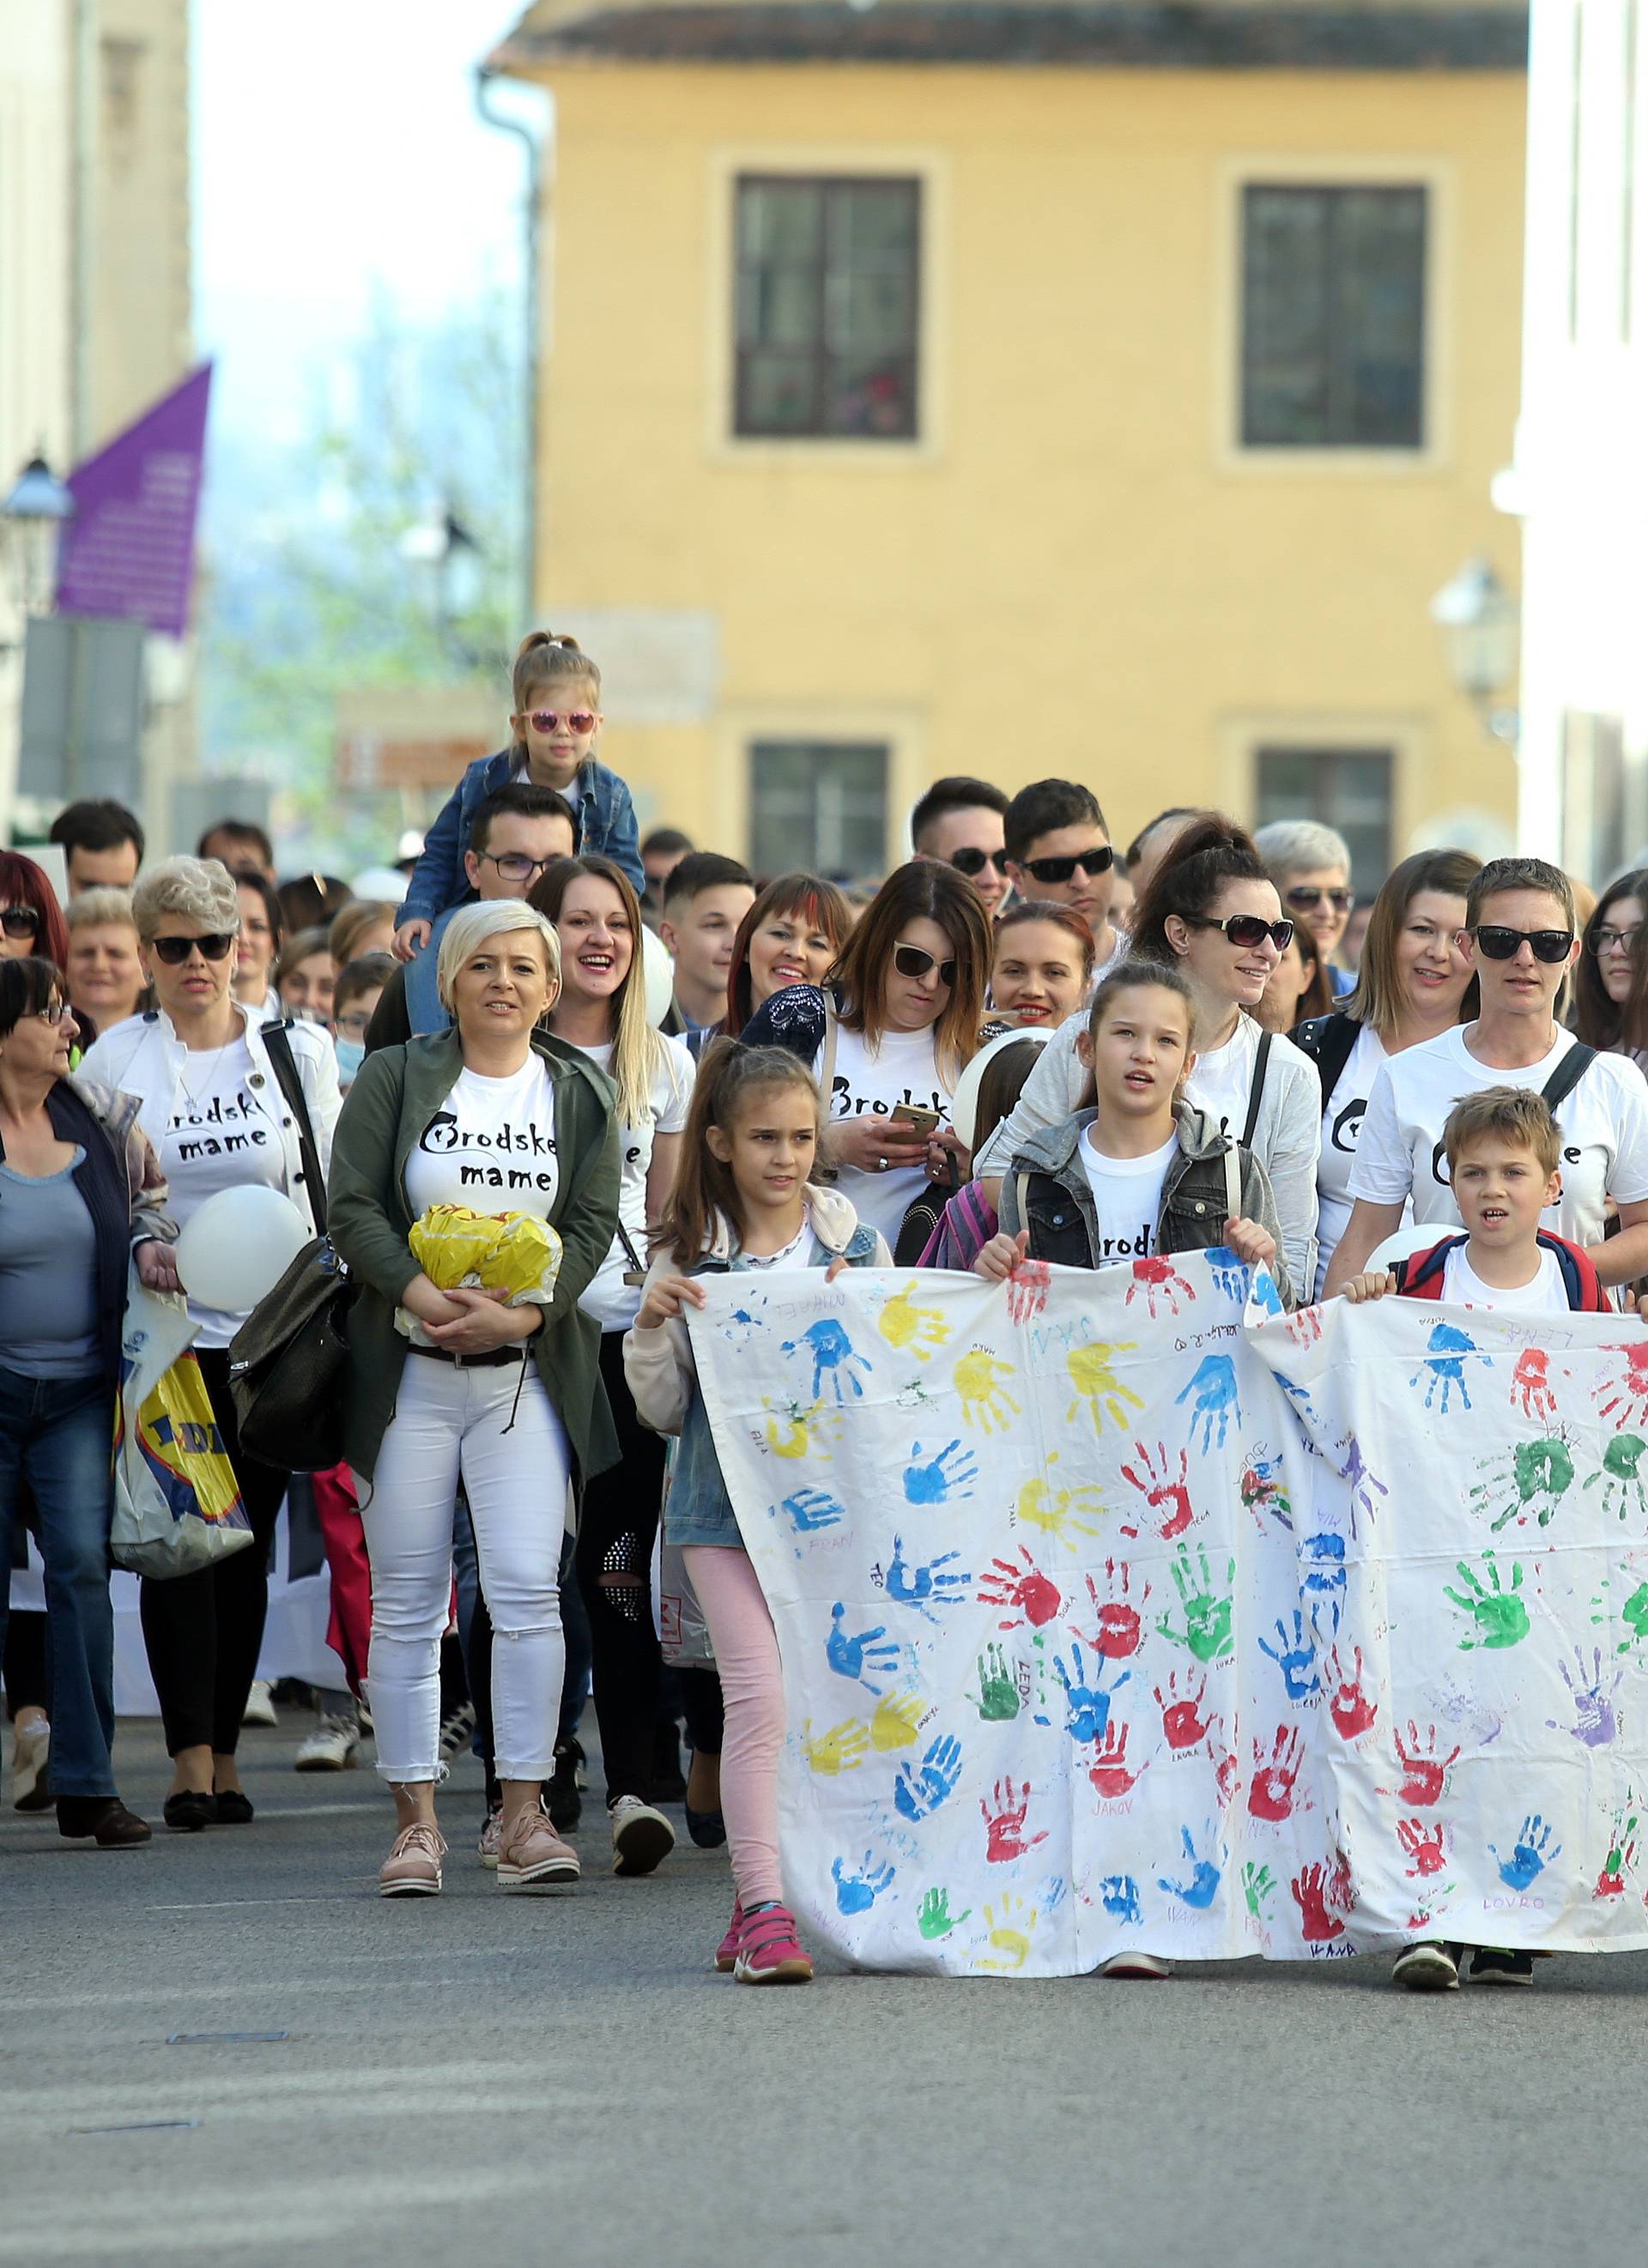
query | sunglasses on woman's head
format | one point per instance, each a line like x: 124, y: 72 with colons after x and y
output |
x: 910, y: 960
x: 1098, y: 860
x: 1246, y: 929
x: 19, y: 921
x: 1303, y: 895
x: 1495, y: 942
x: 576, y: 720
x: 972, y: 862
x: 174, y: 951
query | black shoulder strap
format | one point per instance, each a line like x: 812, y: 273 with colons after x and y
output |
x: 284, y: 1064
x: 1329, y: 1042
x: 1566, y: 1075
x: 1256, y: 1092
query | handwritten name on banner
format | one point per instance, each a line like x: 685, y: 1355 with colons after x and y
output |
x: 1120, y: 1610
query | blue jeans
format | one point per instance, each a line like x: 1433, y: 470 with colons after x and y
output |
x: 57, y: 1433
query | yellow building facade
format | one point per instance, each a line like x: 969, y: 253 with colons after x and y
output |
x: 1113, y: 419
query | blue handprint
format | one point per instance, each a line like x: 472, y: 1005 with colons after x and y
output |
x: 857, y: 1657
x: 951, y: 1473
x: 1296, y: 1658
x: 1214, y: 1387
x: 1448, y: 1347
x: 1119, y: 1894
x: 1324, y: 1562
x: 1229, y: 1274
x: 856, y: 1894
x: 923, y: 1585
x: 1531, y: 1856
x: 916, y: 1793
x: 1202, y: 1888
x: 809, y: 1510
x: 1300, y: 1397
x: 833, y: 1355
x: 1089, y: 1706
x: 1263, y: 1293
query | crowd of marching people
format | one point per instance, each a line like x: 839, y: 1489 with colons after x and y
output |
x: 1026, y: 1044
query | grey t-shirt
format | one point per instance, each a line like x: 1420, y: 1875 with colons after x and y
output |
x: 48, y: 1275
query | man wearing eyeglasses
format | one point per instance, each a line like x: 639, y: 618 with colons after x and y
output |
x: 1059, y: 848
x: 958, y: 822
x: 518, y: 831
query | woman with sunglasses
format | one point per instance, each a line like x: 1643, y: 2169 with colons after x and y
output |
x: 1211, y: 911
x: 791, y: 935
x: 1611, y: 980
x: 887, y: 1035
x: 1520, y: 938
x: 31, y: 919
x: 211, y: 1103
x: 1311, y: 866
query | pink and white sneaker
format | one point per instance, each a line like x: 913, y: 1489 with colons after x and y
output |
x: 770, y: 1952
x: 727, y: 1951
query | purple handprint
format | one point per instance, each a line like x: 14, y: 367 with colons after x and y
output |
x: 1596, y: 1720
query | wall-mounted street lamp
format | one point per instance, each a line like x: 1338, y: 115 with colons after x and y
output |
x: 32, y: 517
x: 1481, y: 624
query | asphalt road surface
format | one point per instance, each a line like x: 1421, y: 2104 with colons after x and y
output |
x: 484, y: 2080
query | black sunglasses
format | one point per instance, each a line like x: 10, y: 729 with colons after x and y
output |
x: 1303, y: 895
x: 910, y: 960
x: 1098, y: 860
x: 174, y: 951
x: 1246, y: 929
x: 19, y: 921
x: 1495, y: 942
x: 972, y: 862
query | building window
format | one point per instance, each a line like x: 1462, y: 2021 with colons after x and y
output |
x: 1333, y: 317
x: 827, y: 318
x: 1349, y: 789
x: 818, y: 805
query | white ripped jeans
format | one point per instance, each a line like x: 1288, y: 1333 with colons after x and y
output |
x: 450, y: 1422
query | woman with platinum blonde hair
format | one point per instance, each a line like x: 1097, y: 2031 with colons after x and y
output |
x: 496, y: 1115
x: 222, y: 1096
x: 1310, y: 865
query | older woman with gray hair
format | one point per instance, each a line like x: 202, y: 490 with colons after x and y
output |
x: 494, y: 1115
x: 221, y: 1096
x: 1310, y: 865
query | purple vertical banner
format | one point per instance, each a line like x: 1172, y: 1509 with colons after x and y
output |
x: 129, y: 552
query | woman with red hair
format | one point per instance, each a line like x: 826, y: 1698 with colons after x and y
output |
x: 31, y: 919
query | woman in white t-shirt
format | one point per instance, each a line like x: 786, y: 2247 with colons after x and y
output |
x: 888, y: 1033
x: 1520, y: 933
x: 602, y: 1011
x: 1415, y: 982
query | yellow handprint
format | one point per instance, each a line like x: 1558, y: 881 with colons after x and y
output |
x: 982, y: 1397
x: 903, y: 1324
x: 896, y: 1723
x: 798, y: 1429
x: 1011, y: 1927
x: 1060, y: 1513
x: 842, y: 1748
x: 1091, y: 1374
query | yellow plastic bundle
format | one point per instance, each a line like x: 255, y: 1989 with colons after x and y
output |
x: 516, y: 1253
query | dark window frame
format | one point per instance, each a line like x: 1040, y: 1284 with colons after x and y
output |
x: 1335, y: 349
x: 814, y: 746
x: 1369, y: 872
x: 744, y: 427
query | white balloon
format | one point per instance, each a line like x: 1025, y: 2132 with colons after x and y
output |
x: 1416, y: 1236
x: 964, y: 1102
x: 238, y: 1246
x: 383, y: 884
x: 660, y: 972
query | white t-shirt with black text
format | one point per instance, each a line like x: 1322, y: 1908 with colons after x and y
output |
x: 901, y: 1067
x: 491, y: 1146
x: 1342, y: 1133
x: 1127, y: 1197
x: 1546, y: 1295
x: 1604, y: 1125
x: 217, y: 1139
x: 612, y: 1302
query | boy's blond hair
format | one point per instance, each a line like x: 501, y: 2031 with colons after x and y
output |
x: 1519, y: 1114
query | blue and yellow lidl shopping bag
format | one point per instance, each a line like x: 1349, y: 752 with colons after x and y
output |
x: 177, y: 1502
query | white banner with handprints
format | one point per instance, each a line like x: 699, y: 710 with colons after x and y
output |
x: 1120, y: 1611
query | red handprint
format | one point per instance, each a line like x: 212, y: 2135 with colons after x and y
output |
x: 1158, y: 1277
x: 1119, y: 1628
x: 1005, y: 1825
x: 1423, y: 1844
x: 1628, y: 1390
x: 1027, y: 1588
x: 1318, y: 1925
x: 1347, y: 1704
x: 1530, y: 1386
x: 1182, y: 1719
x: 1427, y: 1773
x: 1159, y: 1490
x: 1227, y: 1772
x: 1027, y: 1290
x: 1270, y: 1791
x: 1109, y: 1770
x: 1303, y: 1326
x: 1341, y: 1890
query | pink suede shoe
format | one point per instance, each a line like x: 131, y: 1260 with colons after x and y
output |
x: 770, y: 1952
x: 727, y: 1951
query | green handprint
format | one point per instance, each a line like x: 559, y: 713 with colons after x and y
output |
x: 1619, y: 1481
x: 1633, y: 1613
x: 1535, y: 1477
x: 998, y: 1693
x: 933, y: 1917
x: 1207, y: 1631
x: 1258, y: 1884
x: 1498, y: 1615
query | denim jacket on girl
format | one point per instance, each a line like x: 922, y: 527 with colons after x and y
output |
x: 659, y: 1367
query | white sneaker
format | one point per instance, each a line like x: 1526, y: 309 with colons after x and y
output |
x: 330, y: 1747
x: 259, y: 1708
x: 30, y: 1780
x: 642, y: 1838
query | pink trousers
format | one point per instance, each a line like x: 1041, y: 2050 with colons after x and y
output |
x: 752, y: 1689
